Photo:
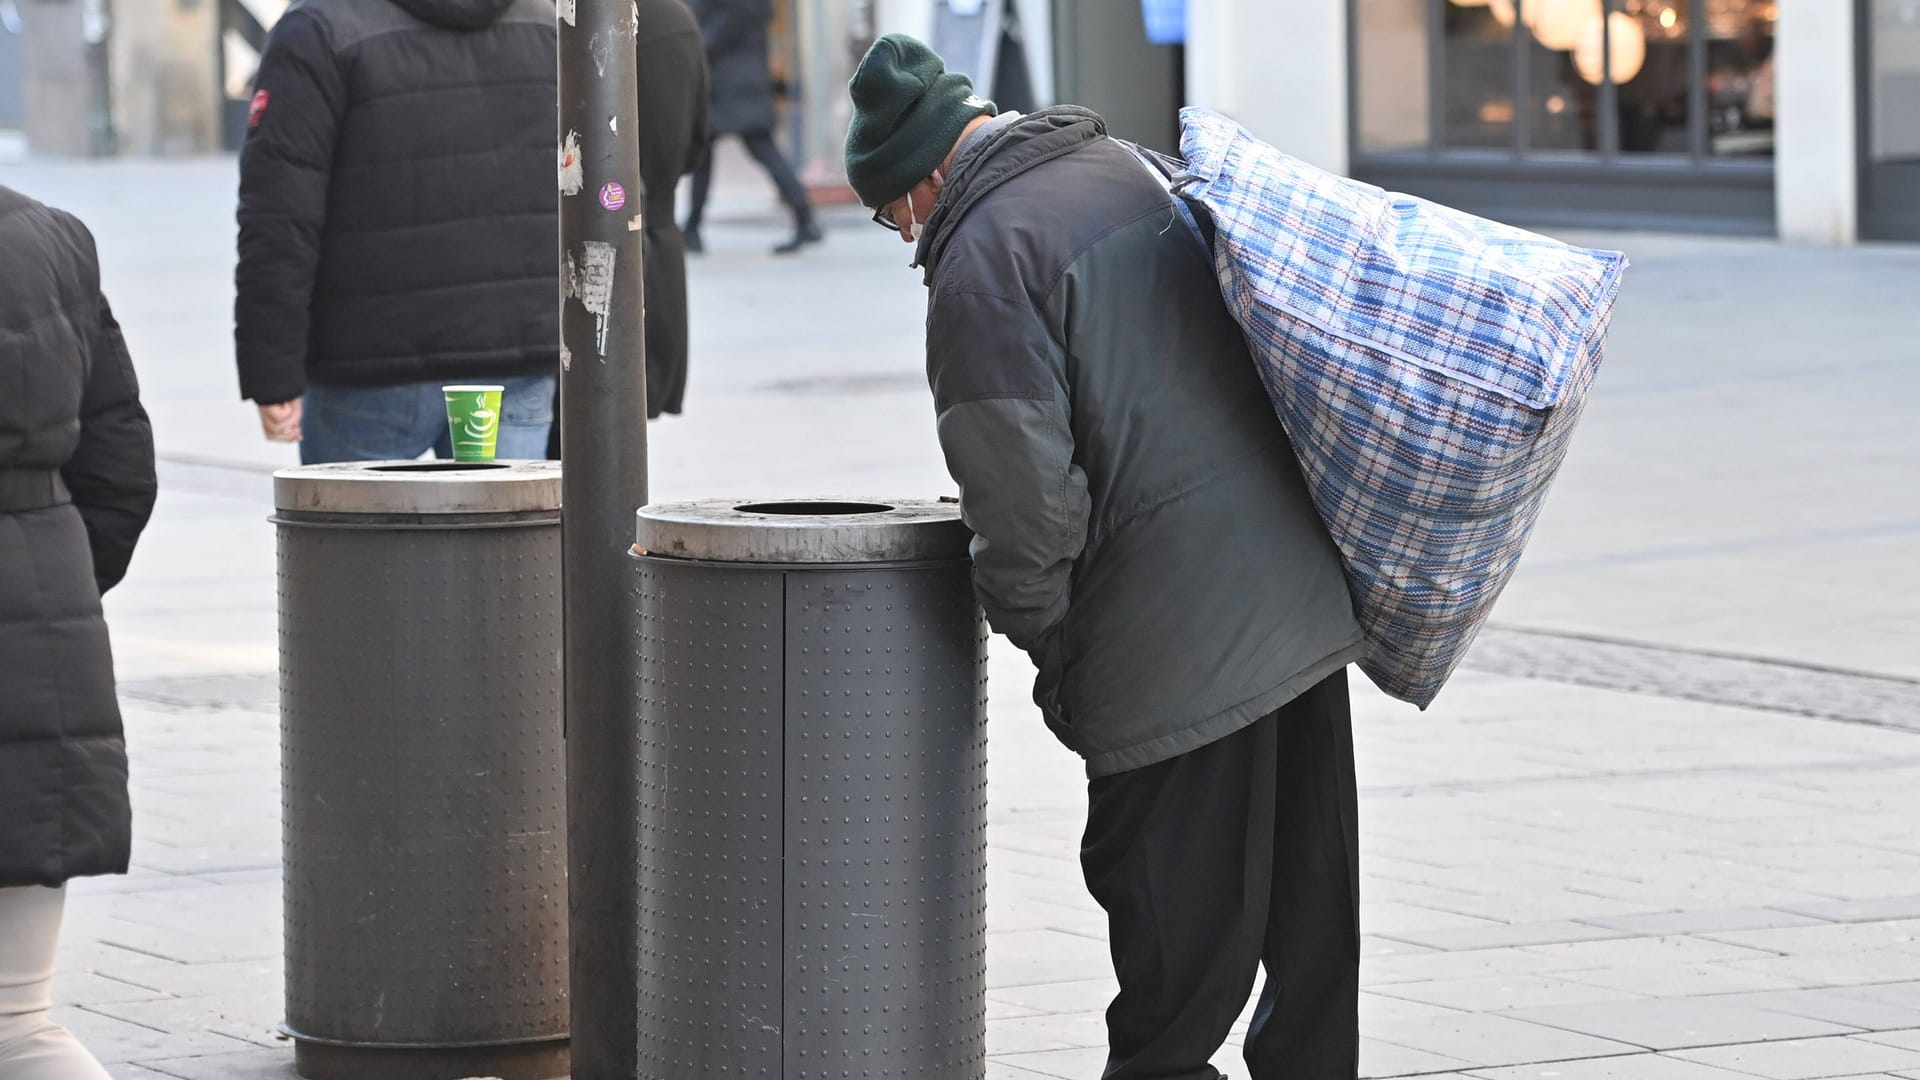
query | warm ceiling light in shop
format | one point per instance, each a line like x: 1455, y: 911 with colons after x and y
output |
x: 1558, y: 23
x: 1629, y: 48
x: 1502, y: 11
x: 1668, y: 18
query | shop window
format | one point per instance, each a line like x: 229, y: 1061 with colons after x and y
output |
x: 1557, y: 78
x: 1894, y: 128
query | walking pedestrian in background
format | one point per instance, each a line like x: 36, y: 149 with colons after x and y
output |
x: 736, y: 38
x: 1142, y: 530
x: 76, y: 488
x: 398, y: 215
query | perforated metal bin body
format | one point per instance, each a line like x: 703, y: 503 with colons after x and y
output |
x: 423, y: 770
x: 812, y: 705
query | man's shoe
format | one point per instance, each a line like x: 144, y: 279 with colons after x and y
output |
x: 805, y: 233
x: 693, y: 242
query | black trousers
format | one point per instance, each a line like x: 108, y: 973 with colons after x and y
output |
x: 1242, y: 853
x: 760, y: 145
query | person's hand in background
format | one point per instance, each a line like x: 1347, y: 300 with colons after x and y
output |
x: 281, y: 422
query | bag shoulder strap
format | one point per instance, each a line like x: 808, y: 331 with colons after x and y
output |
x: 1165, y: 169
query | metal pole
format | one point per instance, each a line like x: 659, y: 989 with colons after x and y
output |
x: 603, y: 391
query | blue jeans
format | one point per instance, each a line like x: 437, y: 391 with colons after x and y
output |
x: 399, y: 423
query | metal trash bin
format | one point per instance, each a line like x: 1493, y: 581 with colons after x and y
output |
x: 812, y: 705
x: 423, y: 770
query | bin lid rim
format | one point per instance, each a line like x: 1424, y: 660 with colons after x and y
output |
x: 419, y: 487
x: 733, y: 530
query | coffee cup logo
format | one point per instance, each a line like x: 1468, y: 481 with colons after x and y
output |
x: 482, y: 424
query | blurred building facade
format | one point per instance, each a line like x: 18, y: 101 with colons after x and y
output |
x: 1797, y: 118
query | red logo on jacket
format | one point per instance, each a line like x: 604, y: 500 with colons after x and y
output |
x: 257, y: 110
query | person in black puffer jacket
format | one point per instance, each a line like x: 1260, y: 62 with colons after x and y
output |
x: 398, y: 224
x: 76, y: 488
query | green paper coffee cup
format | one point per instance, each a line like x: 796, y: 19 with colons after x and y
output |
x: 473, y: 415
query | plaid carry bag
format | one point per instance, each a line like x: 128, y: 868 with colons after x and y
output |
x: 1429, y: 366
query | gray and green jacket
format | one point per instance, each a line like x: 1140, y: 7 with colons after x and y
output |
x: 1141, y: 527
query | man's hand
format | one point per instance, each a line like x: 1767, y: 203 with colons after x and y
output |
x: 281, y: 422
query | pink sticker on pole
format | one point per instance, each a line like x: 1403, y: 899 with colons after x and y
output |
x: 613, y: 196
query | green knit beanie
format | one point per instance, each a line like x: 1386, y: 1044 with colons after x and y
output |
x: 908, y: 111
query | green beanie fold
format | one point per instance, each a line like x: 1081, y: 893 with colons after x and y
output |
x: 908, y: 111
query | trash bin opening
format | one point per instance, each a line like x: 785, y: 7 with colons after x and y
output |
x: 815, y: 509
x: 440, y: 466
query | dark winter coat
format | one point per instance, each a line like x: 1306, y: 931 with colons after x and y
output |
x: 673, y: 138
x: 76, y: 486
x: 736, y: 37
x: 399, y: 212
x: 1141, y: 526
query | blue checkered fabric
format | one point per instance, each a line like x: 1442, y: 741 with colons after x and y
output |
x: 1429, y: 366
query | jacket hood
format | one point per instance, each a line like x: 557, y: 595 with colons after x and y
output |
x: 1027, y: 142
x: 457, y: 14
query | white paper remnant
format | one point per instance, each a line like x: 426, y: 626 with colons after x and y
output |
x: 602, y: 50
x: 613, y: 124
x: 573, y: 176
x: 636, y: 224
x: 566, y: 12
x: 590, y: 280
x: 566, y: 358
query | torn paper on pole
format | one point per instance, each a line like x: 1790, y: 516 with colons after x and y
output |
x: 573, y: 175
x: 590, y: 280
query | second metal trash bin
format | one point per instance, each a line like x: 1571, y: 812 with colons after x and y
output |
x: 423, y: 770
x: 811, y: 697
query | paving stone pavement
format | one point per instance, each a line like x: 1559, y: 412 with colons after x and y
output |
x: 1580, y: 864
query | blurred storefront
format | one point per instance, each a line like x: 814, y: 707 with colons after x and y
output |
x: 1627, y: 112
x: 1798, y: 118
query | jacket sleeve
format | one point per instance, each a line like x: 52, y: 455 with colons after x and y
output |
x: 111, y: 471
x: 1005, y: 428
x: 284, y: 167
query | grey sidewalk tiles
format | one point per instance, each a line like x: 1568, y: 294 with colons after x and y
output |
x: 1807, y: 1059
x: 1493, y: 935
x: 1704, y: 922
x: 1897, y: 934
x: 114, y: 1040
x: 1839, y: 968
x: 1379, y: 1059
x: 1488, y: 1039
x: 1908, y: 1039
x: 241, y: 1065
x: 1698, y: 675
x: 1684, y: 980
x: 1500, y: 992
x: 1675, y: 1023
x: 1633, y: 1067
x: 1027, y: 957
x: 1834, y: 1006
x: 1886, y: 907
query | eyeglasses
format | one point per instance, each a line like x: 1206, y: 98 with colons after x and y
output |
x: 883, y: 218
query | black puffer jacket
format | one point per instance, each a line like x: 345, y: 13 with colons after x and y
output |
x: 399, y: 212
x: 76, y: 486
